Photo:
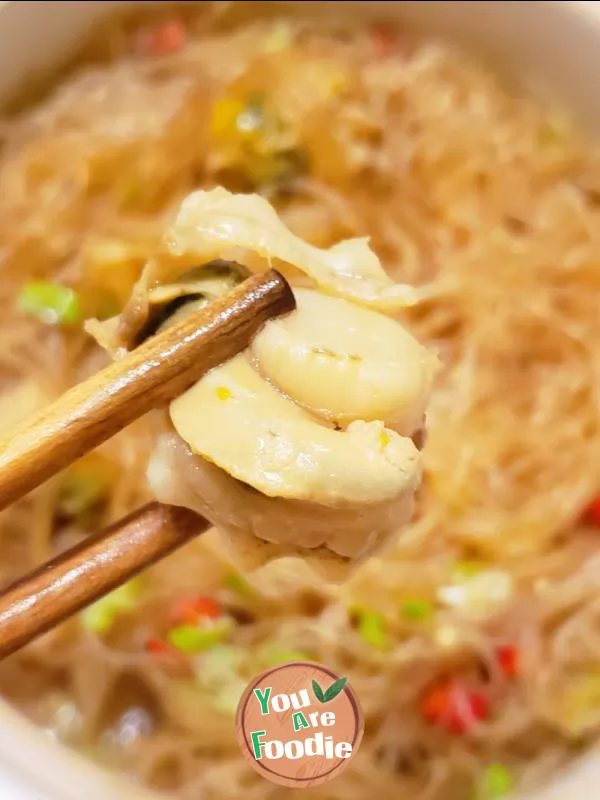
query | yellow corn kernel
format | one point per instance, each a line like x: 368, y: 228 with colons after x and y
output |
x: 225, y: 113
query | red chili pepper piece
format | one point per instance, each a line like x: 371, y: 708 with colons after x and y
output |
x: 191, y: 610
x: 508, y: 660
x: 435, y: 702
x: 592, y: 514
x: 382, y: 40
x: 453, y: 707
x: 163, y: 651
x: 157, y: 647
x: 164, y: 39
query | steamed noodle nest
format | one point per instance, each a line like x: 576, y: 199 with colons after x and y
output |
x: 466, y: 189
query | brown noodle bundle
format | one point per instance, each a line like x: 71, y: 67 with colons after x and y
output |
x: 465, y: 188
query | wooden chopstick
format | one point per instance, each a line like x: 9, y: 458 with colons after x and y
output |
x: 78, y: 577
x: 150, y: 376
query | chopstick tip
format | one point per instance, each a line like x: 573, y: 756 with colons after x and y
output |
x: 284, y: 289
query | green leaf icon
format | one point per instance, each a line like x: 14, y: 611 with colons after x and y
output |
x: 318, y: 692
x: 335, y: 689
x: 331, y: 693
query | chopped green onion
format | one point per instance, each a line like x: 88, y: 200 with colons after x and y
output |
x: 236, y: 583
x: 371, y: 628
x: 100, y: 616
x: 555, y: 131
x: 227, y: 699
x: 218, y: 663
x: 82, y: 490
x: 417, y: 610
x: 190, y: 639
x: 252, y: 118
x: 496, y: 782
x: 50, y: 302
x: 466, y: 569
x: 483, y: 594
x: 131, y: 191
x: 279, y: 38
x: 217, y: 673
x: 105, y: 305
x: 577, y: 708
x: 80, y: 493
x: 549, y: 135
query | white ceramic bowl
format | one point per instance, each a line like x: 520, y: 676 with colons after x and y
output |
x: 553, y: 46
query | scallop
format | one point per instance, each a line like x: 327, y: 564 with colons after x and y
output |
x: 238, y: 421
x: 345, y: 363
x: 303, y: 445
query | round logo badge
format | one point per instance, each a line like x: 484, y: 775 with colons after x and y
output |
x: 299, y: 724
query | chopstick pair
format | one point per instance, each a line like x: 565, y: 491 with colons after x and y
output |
x: 90, y: 413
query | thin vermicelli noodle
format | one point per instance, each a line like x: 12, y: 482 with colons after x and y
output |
x: 468, y: 190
